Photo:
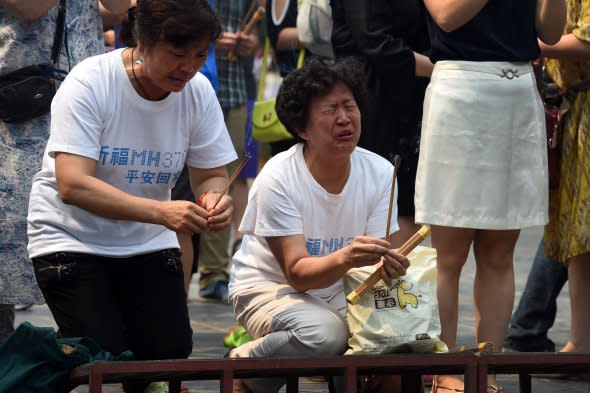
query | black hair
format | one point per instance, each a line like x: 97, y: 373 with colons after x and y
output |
x: 316, y: 78
x: 178, y: 22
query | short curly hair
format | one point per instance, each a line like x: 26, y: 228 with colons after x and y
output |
x: 316, y: 78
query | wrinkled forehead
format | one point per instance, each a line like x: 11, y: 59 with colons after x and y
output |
x: 340, y: 93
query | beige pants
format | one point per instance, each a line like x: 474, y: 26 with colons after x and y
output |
x: 286, y: 323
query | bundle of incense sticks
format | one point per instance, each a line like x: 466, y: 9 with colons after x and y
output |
x: 232, y: 178
x: 374, y: 278
x: 247, y: 29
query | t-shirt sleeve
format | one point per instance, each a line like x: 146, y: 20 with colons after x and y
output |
x: 377, y: 223
x: 271, y: 210
x: 76, y: 120
x: 210, y: 145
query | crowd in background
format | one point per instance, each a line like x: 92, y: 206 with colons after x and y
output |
x: 446, y: 90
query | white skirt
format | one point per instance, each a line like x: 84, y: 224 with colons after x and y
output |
x: 483, y: 154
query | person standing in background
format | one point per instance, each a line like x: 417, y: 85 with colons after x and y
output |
x: 281, y: 29
x: 392, y: 39
x: 101, y: 225
x: 26, y: 38
x: 232, y: 94
x: 482, y: 170
x: 567, y: 237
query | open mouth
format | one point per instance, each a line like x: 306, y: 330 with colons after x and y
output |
x: 179, y: 81
x: 346, y: 134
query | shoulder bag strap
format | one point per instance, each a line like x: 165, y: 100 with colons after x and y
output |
x: 263, y: 69
x: 59, y: 31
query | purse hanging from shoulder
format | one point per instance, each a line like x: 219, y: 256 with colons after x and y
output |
x: 556, y: 104
x: 266, y: 126
x: 27, y: 92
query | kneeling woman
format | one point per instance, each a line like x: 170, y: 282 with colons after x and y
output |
x: 314, y: 212
x: 101, y: 223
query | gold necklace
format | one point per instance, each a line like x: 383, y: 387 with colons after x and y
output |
x: 144, y: 93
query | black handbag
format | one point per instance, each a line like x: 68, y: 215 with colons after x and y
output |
x: 26, y: 93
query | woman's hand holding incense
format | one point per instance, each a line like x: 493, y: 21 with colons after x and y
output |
x: 394, y: 265
x: 218, y: 218
x: 183, y: 216
x: 365, y: 250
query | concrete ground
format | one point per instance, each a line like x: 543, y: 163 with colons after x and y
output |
x: 211, y: 321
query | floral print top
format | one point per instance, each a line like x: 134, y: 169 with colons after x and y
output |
x: 24, y: 43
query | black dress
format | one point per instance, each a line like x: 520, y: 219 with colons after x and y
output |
x: 385, y: 34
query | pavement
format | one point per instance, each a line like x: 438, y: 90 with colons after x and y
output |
x: 211, y: 321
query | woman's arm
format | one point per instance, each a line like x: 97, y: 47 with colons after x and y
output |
x: 117, y: 6
x: 78, y: 186
x: 449, y: 15
x: 110, y: 18
x: 569, y: 47
x: 551, y: 16
x: 424, y: 66
x: 370, y: 26
x: 304, y: 272
x: 28, y: 9
x: 288, y: 39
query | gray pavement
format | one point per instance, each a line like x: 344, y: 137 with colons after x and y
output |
x: 210, y: 322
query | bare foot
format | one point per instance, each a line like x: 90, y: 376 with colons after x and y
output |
x: 571, y: 347
x: 447, y: 384
x: 568, y: 347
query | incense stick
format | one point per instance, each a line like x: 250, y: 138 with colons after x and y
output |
x: 391, y: 196
x: 232, y: 178
x: 248, y: 15
x: 248, y: 28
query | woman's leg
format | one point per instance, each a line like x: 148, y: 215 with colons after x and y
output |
x: 153, y: 303
x: 493, y: 290
x: 407, y: 227
x: 79, y: 292
x: 452, y: 248
x: 287, y: 323
x: 187, y: 257
x: 579, y: 276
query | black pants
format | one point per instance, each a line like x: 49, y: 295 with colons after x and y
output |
x: 136, y: 303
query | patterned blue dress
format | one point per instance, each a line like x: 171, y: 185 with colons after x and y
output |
x: 24, y: 43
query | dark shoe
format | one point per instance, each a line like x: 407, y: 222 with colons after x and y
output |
x: 216, y: 290
x: 515, y: 346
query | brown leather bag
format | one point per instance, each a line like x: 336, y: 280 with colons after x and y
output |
x: 554, y: 117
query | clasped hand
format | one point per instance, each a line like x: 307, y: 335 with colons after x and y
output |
x: 239, y: 43
x: 188, y: 217
x: 365, y: 250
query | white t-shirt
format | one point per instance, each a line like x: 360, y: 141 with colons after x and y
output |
x: 140, y: 147
x: 286, y: 200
